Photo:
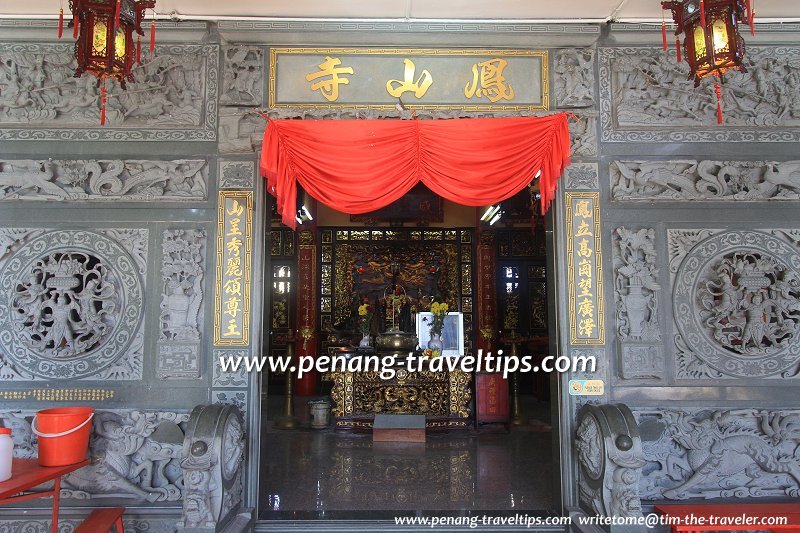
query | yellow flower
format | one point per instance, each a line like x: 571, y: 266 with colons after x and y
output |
x: 435, y: 307
x: 443, y: 309
x: 362, y: 310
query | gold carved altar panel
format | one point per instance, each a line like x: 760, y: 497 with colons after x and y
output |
x: 443, y: 397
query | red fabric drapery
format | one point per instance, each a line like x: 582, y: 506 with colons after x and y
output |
x: 357, y: 166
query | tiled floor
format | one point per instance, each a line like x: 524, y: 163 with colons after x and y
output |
x: 313, y: 473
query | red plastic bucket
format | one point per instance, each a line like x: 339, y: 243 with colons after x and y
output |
x: 63, y: 434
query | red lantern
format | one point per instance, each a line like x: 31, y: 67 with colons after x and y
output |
x: 105, y: 44
x: 712, y: 43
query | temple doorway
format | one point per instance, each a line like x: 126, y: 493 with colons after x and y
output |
x: 496, y: 455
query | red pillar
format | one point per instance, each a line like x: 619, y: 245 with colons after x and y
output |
x: 307, y: 303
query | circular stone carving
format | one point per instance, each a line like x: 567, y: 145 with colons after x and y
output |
x: 737, y: 303
x: 70, y: 304
x: 589, y: 442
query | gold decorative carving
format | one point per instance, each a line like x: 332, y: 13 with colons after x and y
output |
x: 435, y: 394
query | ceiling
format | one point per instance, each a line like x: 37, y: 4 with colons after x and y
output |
x: 528, y: 10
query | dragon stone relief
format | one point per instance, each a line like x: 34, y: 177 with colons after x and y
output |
x: 72, y: 306
x: 37, y: 87
x: 574, y: 80
x: 243, y: 75
x: 705, y: 180
x: 181, y: 303
x: 636, y: 294
x: 736, y: 304
x: 739, y: 453
x: 103, y: 180
x: 135, y: 454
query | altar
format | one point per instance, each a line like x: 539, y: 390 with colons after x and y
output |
x: 443, y: 397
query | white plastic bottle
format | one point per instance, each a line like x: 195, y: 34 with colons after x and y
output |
x: 6, y: 451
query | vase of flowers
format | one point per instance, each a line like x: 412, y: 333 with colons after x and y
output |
x: 439, y: 311
x: 365, y: 311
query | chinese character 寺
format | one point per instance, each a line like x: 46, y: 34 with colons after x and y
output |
x: 488, y: 80
x: 419, y: 87
x: 329, y: 87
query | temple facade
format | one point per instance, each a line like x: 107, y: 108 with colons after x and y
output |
x: 670, y: 254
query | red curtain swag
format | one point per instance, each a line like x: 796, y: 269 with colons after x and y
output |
x: 357, y: 166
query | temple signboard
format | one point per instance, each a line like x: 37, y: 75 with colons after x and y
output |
x: 584, y: 268
x: 234, y: 248
x: 375, y: 78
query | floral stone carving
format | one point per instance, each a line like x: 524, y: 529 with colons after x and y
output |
x: 72, y: 307
x: 737, y: 304
x: 738, y: 453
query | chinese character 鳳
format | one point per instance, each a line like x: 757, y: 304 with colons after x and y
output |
x: 488, y: 81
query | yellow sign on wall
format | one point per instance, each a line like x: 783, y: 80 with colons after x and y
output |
x: 423, y: 78
x: 234, y: 248
x: 584, y: 268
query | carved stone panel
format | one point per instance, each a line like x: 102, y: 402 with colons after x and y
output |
x: 134, y: 454
x: 705, y: 180
x: 241, y: 130
x: 645, y: 96
x: 713, y: 453
x: 104, y: 180
x: 243, y: 75
x: 72, y: 304
x: 236, y: 174
x: 636, y: 293
x: 182, y: 270
x: 221, y: 378
x: 581, y: 176
x: 583, y: 134
x: 735, y: 305
x: 573, y: 77
x: 173, y: 98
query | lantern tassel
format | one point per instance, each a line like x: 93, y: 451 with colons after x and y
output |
x: 103, y: 103
x: 664, y: 32
x: 75, y: 26
x: 116, y: 14
x: 678, y: 48
x: 138, y: 50
x: 60, y: 22
x: 153, y: 36
x: 751, y: 18
x: 718, y: 92
x: 702, y: 13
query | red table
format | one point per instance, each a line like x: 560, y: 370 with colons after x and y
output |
x: 731, y: 510
x: 26, y: 474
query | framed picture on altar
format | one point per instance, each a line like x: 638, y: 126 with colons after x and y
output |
x: 452, y: 332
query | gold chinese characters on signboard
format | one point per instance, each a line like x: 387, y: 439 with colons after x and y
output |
x: 234, y: 246
x: 584, y: 268
x: 375, y: 78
